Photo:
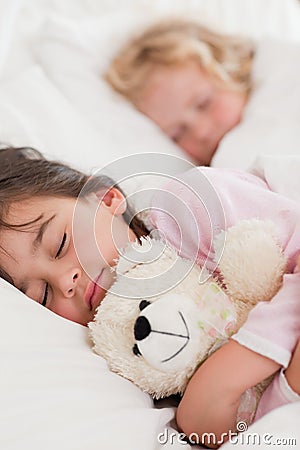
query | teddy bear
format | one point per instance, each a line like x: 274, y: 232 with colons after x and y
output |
x: 164, y: 315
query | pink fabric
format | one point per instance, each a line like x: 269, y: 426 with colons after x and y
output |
x: 277, y: 394
x: 190, y: 210
x: 273, y: 328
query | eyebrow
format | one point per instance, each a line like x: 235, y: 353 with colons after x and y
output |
x: 40, y: 233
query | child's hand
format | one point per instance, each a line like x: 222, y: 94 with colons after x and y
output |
x: 211, y: 399
x: 292, y: 373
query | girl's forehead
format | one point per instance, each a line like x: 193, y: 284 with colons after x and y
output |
x: 30, y: 204
x: 189, y: 66
x: 36, y: 206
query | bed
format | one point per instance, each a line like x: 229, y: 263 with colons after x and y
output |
x: 55, y: 392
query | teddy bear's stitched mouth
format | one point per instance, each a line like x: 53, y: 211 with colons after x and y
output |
x: 187, y: 337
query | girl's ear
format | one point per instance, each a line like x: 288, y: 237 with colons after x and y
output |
x: 113, y: 200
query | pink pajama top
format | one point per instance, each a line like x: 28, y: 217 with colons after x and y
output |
x: 192, y: 209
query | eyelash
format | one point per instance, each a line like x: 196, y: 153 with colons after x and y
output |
x: 179, y: 135
x: 44, y: 302
x: 61, y: 247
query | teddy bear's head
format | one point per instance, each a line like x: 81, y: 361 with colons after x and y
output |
x: 164, y: 315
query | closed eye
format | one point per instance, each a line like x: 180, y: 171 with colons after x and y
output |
x: 61, y: 247
x: 179, y: 133
x: 204, y: 104
x: 44, y: 302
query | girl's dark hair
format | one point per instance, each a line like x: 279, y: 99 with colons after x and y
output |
x: 25, y: 173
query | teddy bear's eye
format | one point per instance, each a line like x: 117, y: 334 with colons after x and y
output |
x: 143, y: 304
x: 136, y: 350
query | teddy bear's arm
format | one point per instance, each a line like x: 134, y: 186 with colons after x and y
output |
x: 211, y: 400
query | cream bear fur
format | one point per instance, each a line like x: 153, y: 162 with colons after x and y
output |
x: 164, y: 316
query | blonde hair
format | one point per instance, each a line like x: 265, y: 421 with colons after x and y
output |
x: 174, y: 42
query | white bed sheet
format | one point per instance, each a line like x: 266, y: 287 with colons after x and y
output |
x: 55, y: 393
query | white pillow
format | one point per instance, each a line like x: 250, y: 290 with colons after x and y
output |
x: 9, y: 13
x: 57, y: 394
x: 34, y: 112
x: 69, y: 52
x: 271, y: 119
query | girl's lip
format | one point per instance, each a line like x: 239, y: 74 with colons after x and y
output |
x: 92, y: 291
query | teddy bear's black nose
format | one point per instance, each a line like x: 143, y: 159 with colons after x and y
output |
x: 142, y: 328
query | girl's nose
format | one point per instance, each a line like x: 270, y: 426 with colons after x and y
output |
x: 201, y: 132
x: 69, y: 281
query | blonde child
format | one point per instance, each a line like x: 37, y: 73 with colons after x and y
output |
x: 52, y: 259
x: 193, y: 82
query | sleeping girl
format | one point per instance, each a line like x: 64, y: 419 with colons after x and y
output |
x: 221, y: 98
x: 193, y: 82
x: 53, y: 260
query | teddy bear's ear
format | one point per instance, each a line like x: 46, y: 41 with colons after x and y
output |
x: 147, y: 251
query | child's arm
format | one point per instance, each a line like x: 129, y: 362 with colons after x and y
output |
x: 211, y: 400
x: 292, y: 373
